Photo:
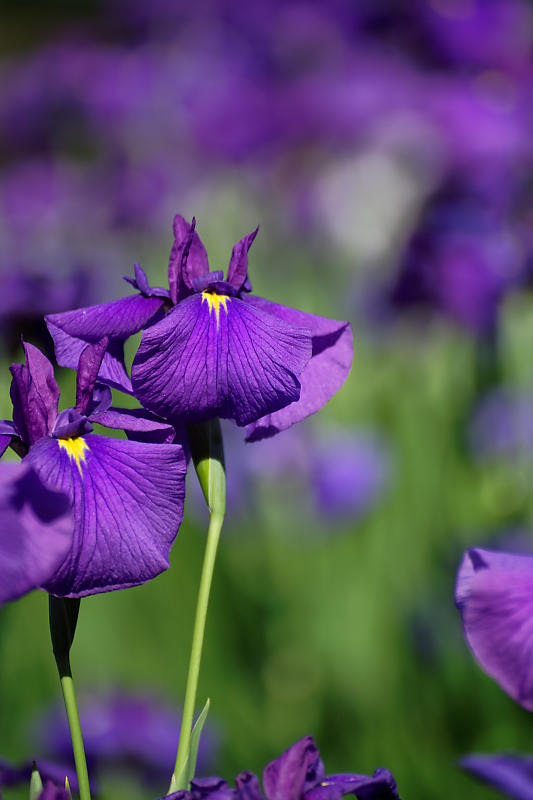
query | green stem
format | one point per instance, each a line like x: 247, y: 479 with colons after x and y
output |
x: 63, y: 620
x: 213, y: 535
x: 67, y: 686
x: 207, y: 450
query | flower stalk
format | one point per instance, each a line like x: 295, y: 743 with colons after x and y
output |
x: 63, y: 619
x: 207, y: 451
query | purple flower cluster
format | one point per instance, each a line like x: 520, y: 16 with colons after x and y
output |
x: 298, y: 774
x: 109, y: 510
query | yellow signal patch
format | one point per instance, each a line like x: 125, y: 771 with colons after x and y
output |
x: 75, y: 448
x: 214, y: 301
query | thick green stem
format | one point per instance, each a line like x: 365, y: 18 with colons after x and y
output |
x: 63, y: 621
x: 205, y: 440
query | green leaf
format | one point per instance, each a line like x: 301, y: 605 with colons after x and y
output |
x: 183, y: 778
x: 36, y: 784
x: 195, y: 741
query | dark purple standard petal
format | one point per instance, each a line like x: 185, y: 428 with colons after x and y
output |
x: 494, y: 593
x: 511, y: 774
x: 35, y: 395
x: 128, y: 504
x: 72, y: 331
x: 328, y: 368
x: 287, y: 777
x: 35, y: 530
x: 238, y: 265
x: 188, y: 259
x: 88, y: 369
x: 215, y: 356
x: 248, y: 787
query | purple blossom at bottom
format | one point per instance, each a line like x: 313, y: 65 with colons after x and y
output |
x: 511, y: 774
x: 298, y: 774
x: 122, y: 729
x: 494, y: 593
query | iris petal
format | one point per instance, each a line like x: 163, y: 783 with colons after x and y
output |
x: 324, y: 374
x: 128, y: 504
x: 495, y: 595
x: 73, y: 330
x: 215, y: 356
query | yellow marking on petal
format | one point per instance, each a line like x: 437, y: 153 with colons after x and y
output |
x: 214, y: 301
x: 75, y: 449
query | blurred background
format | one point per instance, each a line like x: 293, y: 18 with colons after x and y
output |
x: 386, y: 150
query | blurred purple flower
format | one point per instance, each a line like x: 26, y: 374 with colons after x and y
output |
x: 349, y: 472
x: 511, y: 774
x: 461, y: 262
x: 502, y: 425
x: 51, y: 772
x: 127, y: 496
x: 126, y: 730
x: 494, y: 593
x: 298, y: 774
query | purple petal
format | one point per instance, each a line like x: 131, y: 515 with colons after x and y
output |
x: 128, y: 504
x: 36, y: 530
x: 70, y: 424
x: 325, y: 373
x: 248, y: 787
x: 212, y: 789
x: 495, y: 595
x: 285, y: 778
x: 138, y: 424
x: 5, y: 440
x: 120, y: 319
x: 140, y: 282
x: 188, y: 258
x: 88, y: 368
x: 512, y: 775
x: 381, y: 786
x: 238, y: 265
x: 34, y: 394
x: 219, y: 358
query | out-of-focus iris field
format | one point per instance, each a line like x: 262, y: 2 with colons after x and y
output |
x: 386, y: 150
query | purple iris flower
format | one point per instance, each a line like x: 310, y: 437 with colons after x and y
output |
x: 127, y: 496
x: 298, y: 774
x: 209, y: 347
x: 494, y: 593
x: 511, y: 774
x: 137, y: 731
